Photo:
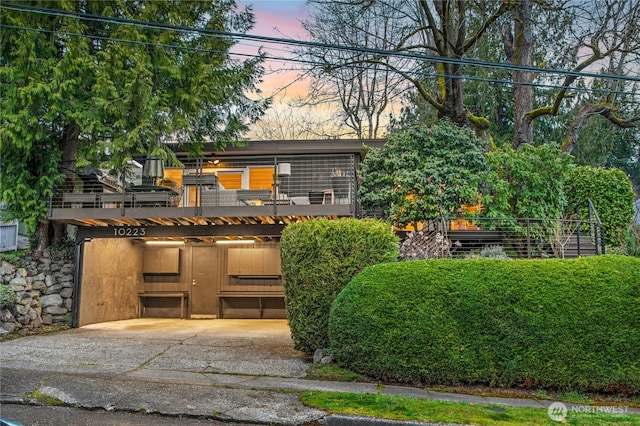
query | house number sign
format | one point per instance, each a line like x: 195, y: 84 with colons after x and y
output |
x: 129, y: 231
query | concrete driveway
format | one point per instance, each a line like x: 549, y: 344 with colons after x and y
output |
x: 246, y: 347
x: 240, y: 371
x: 226, y: 370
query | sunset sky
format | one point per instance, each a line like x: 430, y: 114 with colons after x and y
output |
x: 282, y: 82
x: 280, y: 19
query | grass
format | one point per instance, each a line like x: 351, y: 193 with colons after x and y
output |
x: 14, y: 257
x: 333, y: 373
x: 46, y: 400
x: 575, y: 397
x: 42, y: 330
x: 425, y: 410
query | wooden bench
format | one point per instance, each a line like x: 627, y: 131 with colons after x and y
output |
x: 251, y: 305
x: 182, y: 295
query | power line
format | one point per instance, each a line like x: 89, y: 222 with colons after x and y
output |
x: 313, y: 63
x: 277, y: 40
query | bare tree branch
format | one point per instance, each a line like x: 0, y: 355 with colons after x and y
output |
x: 588, y: 111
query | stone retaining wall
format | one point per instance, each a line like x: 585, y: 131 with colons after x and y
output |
x: 43, y: 293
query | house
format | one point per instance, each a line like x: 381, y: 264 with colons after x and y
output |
x: 201, y: 241
x: 13, y: 234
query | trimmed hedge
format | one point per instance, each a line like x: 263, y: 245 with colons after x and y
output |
x: 319, y: 258
x: 556, y: 324
x: 612, y: 195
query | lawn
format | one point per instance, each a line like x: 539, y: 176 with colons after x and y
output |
x: 425, y: 410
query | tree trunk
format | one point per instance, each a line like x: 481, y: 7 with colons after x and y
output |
x: 523, y: 93
x: 42, y: 236
x: 56, y: 232
x: 70, y: 137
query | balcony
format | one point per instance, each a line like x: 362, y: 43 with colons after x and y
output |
x: 215, y: 190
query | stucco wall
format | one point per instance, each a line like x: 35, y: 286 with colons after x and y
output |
x: 111, y: 279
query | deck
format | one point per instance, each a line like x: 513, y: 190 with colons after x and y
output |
x: 237, y: 190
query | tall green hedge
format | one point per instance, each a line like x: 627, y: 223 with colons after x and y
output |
x: 557, y: 324
x: 611, y: 192
x: 319, y: 258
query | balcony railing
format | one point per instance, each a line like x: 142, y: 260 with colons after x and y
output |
x: 518, y: 237
x: 311, y: 180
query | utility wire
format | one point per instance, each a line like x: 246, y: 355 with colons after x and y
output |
x: 330, y: 46
x: 266, y: 57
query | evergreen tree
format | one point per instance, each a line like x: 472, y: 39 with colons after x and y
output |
x: 87, y: 81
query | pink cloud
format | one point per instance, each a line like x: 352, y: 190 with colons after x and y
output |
x: 278, y: 19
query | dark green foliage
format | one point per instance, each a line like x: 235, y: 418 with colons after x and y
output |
x: 319, y: 258
x: 423, y: 173
x: 81, y: 92
x: 602, y: 144
x: 556, y: 324
x: 64, y: 249
x: 7, y: 296
x: 629, y: 242
x: 610, y: 191
x: 526, y: 182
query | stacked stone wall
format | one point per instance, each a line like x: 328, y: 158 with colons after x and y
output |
x: 42, y: 293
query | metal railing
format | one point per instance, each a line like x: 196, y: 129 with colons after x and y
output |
x: 518, y: 237
x: 227, y: 181
x: 595, y: 227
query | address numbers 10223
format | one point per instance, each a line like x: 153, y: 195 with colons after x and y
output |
x: 129, y: 231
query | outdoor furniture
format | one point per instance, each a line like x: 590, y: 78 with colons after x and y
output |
x: 328, y: 195
x: 280, y: 202
x: 316, y: 197
x: 300, y: 201
x: 218, y: 197
x: 152, y: 199
x: 115, y: 199
x: 204, y: 179
x: 247, y: 196
x: 182, y: 295
x: 154, y: 196
x: 227, y: 197
x: 84, y: 199
x: 201, y: 189
x: 255, y: 305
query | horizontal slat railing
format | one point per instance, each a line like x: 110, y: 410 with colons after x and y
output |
x: 321, y: 180
x: 518, y: 237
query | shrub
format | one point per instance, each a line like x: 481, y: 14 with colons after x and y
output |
x: 422, y: 173
x: 610, y: 191
x: 629, y: 243
x: 491, y: 252
x: 63, y: 250
x: 7, y: 296
x: 526, y: 182
x: 319, y: 258
x: 556, y: 324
